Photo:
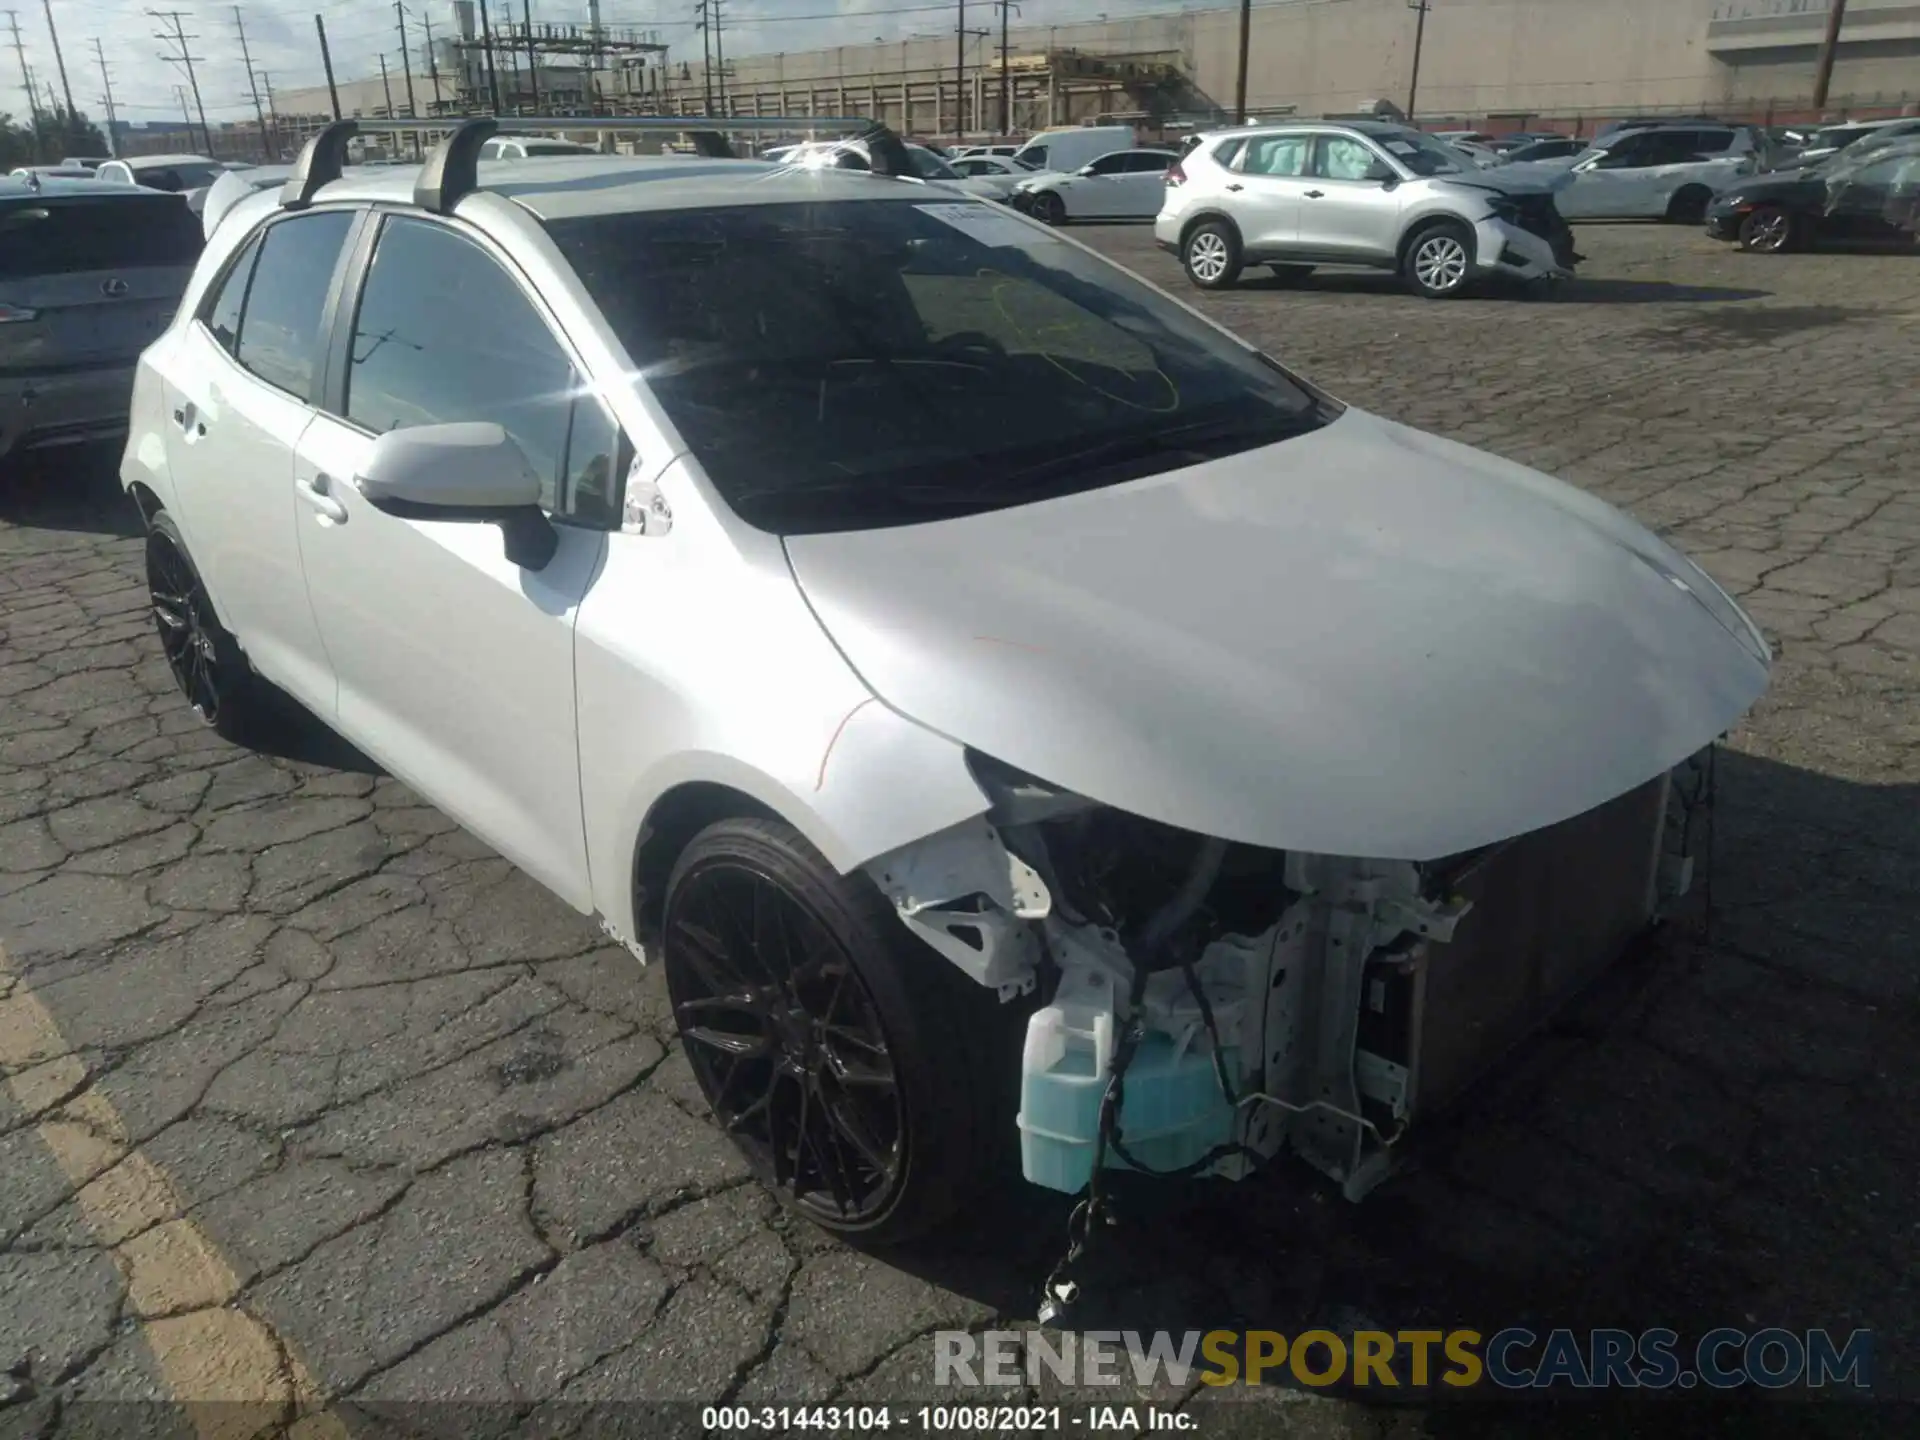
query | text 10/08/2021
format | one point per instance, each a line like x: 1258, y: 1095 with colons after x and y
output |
x: 939, y: 1419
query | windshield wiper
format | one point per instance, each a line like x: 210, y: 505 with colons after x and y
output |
x: 1207, y: 439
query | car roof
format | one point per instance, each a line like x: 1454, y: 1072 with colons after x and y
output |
x: 155, y: 162
x: 565, y: 187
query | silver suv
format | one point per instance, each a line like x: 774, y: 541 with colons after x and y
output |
x: 1388, y: 197
x: 90, y: 273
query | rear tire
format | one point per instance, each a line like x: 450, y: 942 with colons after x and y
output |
x: 1211, y: 255
x: 869, y: 1083
x: 1689, y: 205
x: 1438, y: 260
x: 1770, y: 230
x: 207, y: 662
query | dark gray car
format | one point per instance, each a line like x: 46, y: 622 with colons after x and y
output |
x: 90, y: 272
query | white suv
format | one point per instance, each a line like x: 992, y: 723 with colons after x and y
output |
x: 1385, y: 196
x: 1658, y: 172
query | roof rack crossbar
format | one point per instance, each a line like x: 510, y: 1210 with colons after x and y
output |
x: 452, y: 171
x: 321, y: 160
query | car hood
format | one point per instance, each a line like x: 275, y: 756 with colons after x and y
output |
x: 1776, y: 185
x: 1364, y: 641
x: 1531, y: 178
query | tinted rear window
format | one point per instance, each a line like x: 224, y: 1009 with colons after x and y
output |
x: 847, y: 364
x: 64, y: 235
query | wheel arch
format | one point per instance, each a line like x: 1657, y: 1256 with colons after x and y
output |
x: 1420, y: 224
x: 1200, y: 217
x: 670, y: 825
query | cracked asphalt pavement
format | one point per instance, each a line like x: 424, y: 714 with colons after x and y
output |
x: 311, y: 1099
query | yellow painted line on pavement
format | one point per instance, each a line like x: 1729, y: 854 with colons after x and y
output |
x: 227, y: 1368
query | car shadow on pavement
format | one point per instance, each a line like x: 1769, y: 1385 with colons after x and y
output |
x: 1724, y: 1131
x: 72, y: 488
x: 285, y: 729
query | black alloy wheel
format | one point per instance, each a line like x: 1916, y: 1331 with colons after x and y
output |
x: 786, y: 1043
x: 869, y: 1083
x: 205, y: 660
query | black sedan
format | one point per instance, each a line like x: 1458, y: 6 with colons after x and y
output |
x: 1876, y: 200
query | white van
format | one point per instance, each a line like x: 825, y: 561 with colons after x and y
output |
x: 1068, y: 149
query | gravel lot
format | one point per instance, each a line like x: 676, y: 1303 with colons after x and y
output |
x: 298, y: 1071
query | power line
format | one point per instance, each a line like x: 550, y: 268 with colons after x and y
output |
x: 185, y: 60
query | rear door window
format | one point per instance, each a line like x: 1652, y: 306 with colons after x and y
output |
x: 280, y: 337
x: 1276, y: 155
x: 73, y: 234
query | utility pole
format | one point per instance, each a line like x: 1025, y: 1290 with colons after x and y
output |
x: 26, y: 80
x: 1240, y: 78
x: 385, y: 86
x: 960, y: 73
x: 1006, y: 75
x: 180, y: 94
x: 1830, y: 42
x: 106, y: 97
x: 533, y: 56
x: 406, y: 68
x: 253, y: 85
x: 433, y: 63
x: 707, y: 58
x: 273, y: 110
x: 486, y: 50
x: 326, y: 59
x: 1419, y: 40
x: 720, y: 56
x: 59, y: 62
x: 185, y: 61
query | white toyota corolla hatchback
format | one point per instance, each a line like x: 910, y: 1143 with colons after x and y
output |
x: 1018, y: 713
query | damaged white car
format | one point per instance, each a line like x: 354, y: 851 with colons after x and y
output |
x: 975, y: 675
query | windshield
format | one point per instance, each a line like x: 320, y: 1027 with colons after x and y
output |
x: 188, y: 175
x: 929, y: 166
x: 848, y: 364
x: 1880, y: 139
x: 1424, y: 155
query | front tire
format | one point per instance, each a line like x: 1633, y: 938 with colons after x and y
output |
x: 1769, y: 230
x: 207, y: 662
x: 1689, y: 205
x: 1050, y: 208
x: 855, y: 1068
x: 1438, y: 260
x: 1211, y: 255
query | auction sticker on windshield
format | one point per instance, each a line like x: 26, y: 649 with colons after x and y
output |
x: 986, y: 224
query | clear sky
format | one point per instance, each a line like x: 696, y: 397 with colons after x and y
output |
x: 280, y: 35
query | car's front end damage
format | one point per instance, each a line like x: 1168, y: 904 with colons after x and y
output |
x: 1316, y: 778
x: 1282, y: 1000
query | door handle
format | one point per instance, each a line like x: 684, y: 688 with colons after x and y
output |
x: 313, y: 493
x: 1236, y: 186
x: 1315, y: 194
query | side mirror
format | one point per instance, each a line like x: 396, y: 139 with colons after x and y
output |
x: 1087, y: 170
x: 472, y: 471
x: 1381, y: 173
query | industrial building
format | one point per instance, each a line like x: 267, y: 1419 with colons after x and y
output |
x: 1498, y: 62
